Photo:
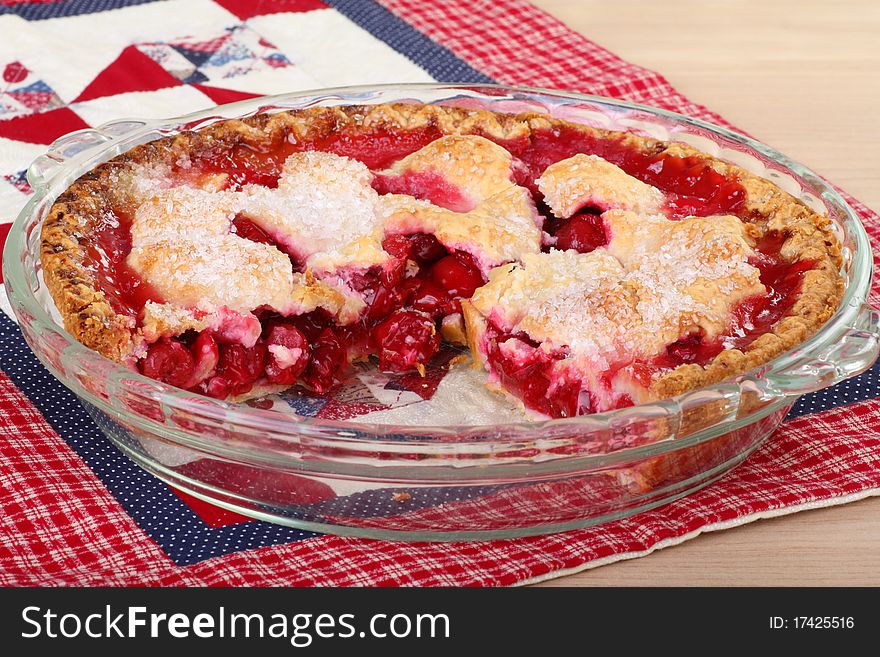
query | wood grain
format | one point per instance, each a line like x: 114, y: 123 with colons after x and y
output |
x: 804, y: 77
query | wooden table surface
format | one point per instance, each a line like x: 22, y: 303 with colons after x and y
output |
x: 802, y: 76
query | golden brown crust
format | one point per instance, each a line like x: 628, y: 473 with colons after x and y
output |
x: 477, y: 323
x: 86, y: 312
x: 90, y: 318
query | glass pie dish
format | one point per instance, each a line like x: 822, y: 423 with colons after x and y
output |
x: 457, y: 474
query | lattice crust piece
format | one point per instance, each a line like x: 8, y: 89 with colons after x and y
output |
x: 686, y: 274
x: 508, y: 227
x: 657, y: 281
x: 570, y: 184
x: 181, y: 260
x: 324, y: 211
x: 497, y: 221
x: 476, y: 167
x: 180, y: 234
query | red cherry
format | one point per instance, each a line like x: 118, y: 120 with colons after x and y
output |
x: 326, y: 359
x: 430, y: 298
x: 217, y: 387
x: 406, y: 339
x: 685, y: 350
x: 170, y: 362
x: 426, y: 249
x: 530, y: 376
x: 241, y: 366
x: 457, y: 274
x: 385, y: 299
x: 311, y: 324
x: 288, y: 363
x: 247, y: 229
x: 523, y: 176
x: 625, y: 401
x: 583, y: 233
x: 398, y: 246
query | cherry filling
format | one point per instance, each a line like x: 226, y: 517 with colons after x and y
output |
x: 327, y: 346
x: 783, y: 280
x: 407, y: 339
x: 691, y: 185
x: 283, y: 355
x: 126, y: 292
x: 180, y: 364
x: 530, y: 374
x: 403, y: 311
x: 260, y: 163
x: 752, y: 317
x: 441, y: 278
x: 244, y: 163
x: 327, y: 358
x: 424, y: 185
x: 377, y: 148
x: 583, y: 232
x: 169, y: 361
x: 247, y: 229
x: 288, y: 354
x: 691, y: 349
x: 240, y: 367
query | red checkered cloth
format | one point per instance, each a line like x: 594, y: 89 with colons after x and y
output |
x: 60, y: 524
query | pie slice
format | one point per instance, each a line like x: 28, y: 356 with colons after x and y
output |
x: 586, y: 269
x: 571, y: 333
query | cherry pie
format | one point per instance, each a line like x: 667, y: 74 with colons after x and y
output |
x: 587, y: 270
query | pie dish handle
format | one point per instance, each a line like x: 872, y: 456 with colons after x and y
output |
x: 77, y: 144
x: 852, y: 353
